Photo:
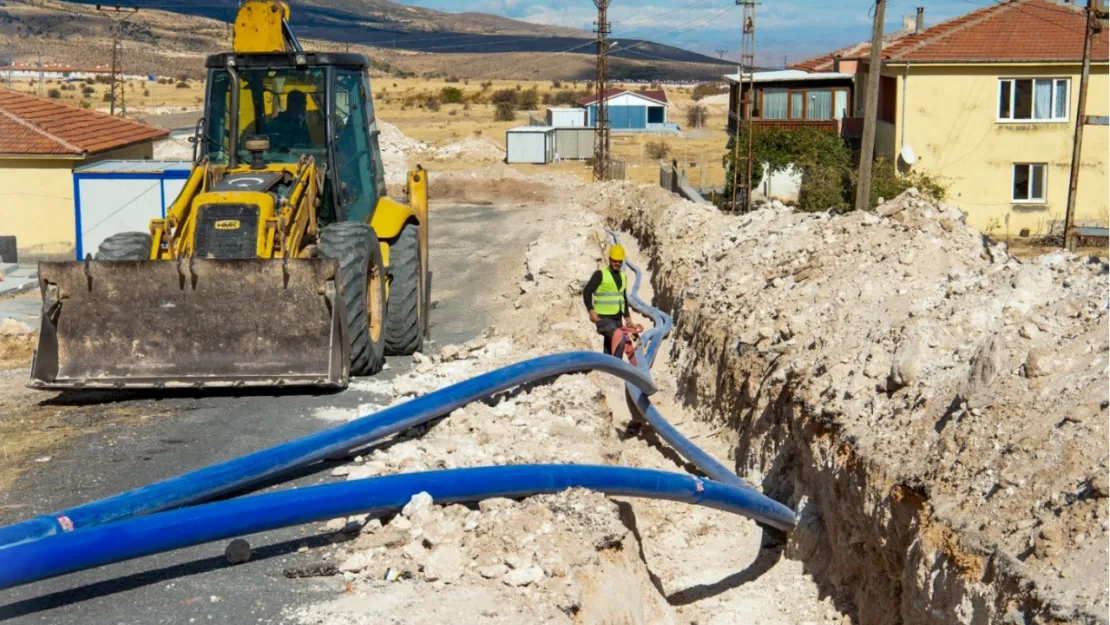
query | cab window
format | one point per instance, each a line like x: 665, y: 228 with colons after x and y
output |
x: 286, y: 105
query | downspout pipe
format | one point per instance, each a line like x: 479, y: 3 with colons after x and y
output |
x: 245, y: 471
x: 148, y: 535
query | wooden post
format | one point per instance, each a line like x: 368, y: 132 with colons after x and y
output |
x: 871, y: 109
x: 1080, y: 121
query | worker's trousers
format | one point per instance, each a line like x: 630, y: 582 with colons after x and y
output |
x: 606, y: 326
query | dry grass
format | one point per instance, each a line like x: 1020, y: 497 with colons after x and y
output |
x: 699, y: 151
x: 141, y: 97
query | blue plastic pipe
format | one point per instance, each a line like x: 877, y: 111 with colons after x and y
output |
x: 147, y: 535
x: 232, y: 475
x: 781, y: 516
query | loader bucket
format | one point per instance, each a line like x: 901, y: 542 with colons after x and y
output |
x: 194, y: 323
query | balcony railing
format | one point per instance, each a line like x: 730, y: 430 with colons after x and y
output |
x: 847, y: 127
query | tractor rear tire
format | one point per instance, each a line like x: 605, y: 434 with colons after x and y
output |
x: 362, y: 282
x: 125, y: 246
x: 404, y: 323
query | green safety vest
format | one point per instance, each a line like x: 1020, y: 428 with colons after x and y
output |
x: 608, y: 299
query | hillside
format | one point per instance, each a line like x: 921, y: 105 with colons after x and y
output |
x: 171, y: 43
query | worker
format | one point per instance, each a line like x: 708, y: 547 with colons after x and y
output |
x: 289, y: 129
x: 606, y: 299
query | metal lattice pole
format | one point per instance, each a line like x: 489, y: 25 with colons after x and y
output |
x: 601, y: 117
x: 745, y: 74
x: 116, y: 89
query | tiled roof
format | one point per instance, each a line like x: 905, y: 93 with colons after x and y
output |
x: 1014, y: 30
x: 655, y: 94
x: 33, y: 126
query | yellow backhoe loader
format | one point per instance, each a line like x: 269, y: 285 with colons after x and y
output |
x: 282, y: 262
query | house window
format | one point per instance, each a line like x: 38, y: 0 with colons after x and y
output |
x: 1033, y: 99
x: 811, y: 104
x: 774, y: 104
x: 1030, y: 180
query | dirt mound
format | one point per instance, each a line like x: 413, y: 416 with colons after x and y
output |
x: 937, y: 408
x: 475, y: 149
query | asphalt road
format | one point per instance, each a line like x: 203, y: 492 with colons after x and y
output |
x: 473, y: 250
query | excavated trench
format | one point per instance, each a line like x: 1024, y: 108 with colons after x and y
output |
x: 867, y: 536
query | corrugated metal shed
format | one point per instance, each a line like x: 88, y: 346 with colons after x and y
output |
x: 530, y: 144
x: 566, y: 117
x: 574, y: 143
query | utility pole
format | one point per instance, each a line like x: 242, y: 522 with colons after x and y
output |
x: 42, y: 85
x: 721, y: 52
x: 871, y: 109
x: 116, y: 88
x: 1080, y: 121
x: 745, y: 73
x: 601, y: 117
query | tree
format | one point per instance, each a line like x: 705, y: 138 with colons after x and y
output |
x: 695, y: 115
x: 821, y: 157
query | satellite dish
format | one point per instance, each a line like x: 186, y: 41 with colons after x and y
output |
x: 908, y: 157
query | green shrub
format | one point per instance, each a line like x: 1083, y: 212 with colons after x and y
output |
x: 887, y: 183
x: 54, y: 94
x: 528, y: 100
x: 502, y: 96
x: 504, y: 112
x: 451, y: 95
x: 181, y: 84
x: 658, y: 150
x: 695, y: 115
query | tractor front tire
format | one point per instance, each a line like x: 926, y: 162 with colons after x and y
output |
x: 125, y: 246
x: 404, y: 323
x: 362, y: 281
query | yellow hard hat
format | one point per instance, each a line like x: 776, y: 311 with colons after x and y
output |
x: 616, y: 253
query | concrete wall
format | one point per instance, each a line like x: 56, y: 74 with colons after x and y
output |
x: 36, y: 202
x: 951, y: 125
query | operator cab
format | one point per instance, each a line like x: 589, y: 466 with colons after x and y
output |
x: 308, y: 104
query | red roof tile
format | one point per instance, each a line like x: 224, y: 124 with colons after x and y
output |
x: 1014, y: 30
x: 35, y: 126
x: 655, y: 94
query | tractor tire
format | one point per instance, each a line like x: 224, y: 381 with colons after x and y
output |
x: 404, y: 323
x: 362, y: 284
x: 125, y: 246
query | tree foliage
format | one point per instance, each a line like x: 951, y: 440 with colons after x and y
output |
x: 827, y: 167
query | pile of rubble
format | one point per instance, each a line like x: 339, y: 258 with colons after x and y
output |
x: 399, y: 152
x: 973, y: 384
x: 475, y: 149
x: 552, y: 558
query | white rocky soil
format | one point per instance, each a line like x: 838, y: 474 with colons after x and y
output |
x: 575, y: 557
x: 935, y: 409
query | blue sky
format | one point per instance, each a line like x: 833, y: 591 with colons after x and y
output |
x: 795, y: 28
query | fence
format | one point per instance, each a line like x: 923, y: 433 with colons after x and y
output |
x: 671, y: 179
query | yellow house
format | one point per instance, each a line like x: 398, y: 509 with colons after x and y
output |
x: 987, y: 101
x: 41, y: 142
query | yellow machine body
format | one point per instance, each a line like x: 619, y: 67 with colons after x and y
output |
x: 233, y: 290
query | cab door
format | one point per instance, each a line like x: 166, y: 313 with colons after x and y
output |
x: 353, y: 155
